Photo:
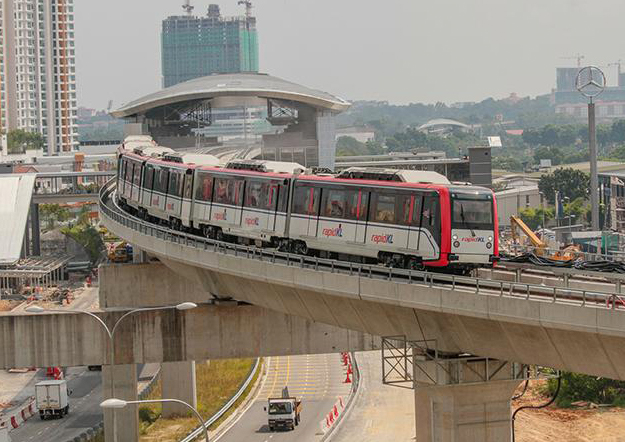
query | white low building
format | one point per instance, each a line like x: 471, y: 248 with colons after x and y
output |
x: 511, y: 201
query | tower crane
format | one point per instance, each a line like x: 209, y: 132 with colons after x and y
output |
x: 248, y: 7
x: 188, y: 7
x: 577, y: 57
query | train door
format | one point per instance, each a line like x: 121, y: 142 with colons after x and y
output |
x: 257, y: 205
x: 187, y: 194
x: 203, y: 193
x: 161, y: 181
x: 426, y: 218
x: 305, y: 210
x: 274, y: 198
x: 135, y: 194
x: 362, y: 212
x: 282, y: 208
x: 148, y: 182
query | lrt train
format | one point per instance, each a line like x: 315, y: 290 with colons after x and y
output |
x: 409, y: 219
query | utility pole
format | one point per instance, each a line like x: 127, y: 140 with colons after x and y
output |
x: 590, y: 82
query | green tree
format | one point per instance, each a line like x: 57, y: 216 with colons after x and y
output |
x: 580, y: 387
x: 53, y: 213
x: 533, y: 217
x: 87, y: 236
x: 19, y: 140
x: 569, y: 182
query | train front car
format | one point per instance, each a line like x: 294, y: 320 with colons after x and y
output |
x: 474, y: 231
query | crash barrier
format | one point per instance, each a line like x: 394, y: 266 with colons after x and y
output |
x: 17, y: 417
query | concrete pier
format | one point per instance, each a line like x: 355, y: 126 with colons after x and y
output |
x: 178, y: 380
x: 465, y: 400
x: 126, y: 419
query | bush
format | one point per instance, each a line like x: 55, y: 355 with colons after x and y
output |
x: 147, y: 415
x: 581, y: 387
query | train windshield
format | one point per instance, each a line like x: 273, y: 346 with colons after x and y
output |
x: 471, y: 211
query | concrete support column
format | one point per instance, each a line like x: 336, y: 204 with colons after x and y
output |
x: 127, y: 419
x: 178, y: 379
x: 36, y: 228
x: 465, y: 399
x: 465, y: 413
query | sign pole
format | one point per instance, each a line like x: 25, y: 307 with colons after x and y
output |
x: 590, y: 82
x: 594, y: 177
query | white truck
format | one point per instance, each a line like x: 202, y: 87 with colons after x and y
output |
x: 52, y: 398
x: 283, y: 412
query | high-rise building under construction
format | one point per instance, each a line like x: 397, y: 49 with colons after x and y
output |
x: 196, y: 46
x: 37, y: 71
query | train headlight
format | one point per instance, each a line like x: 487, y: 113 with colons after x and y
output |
x: 456, y: 244
x: 455, y: 237
x: 488, y: 245
x: 490, y: 239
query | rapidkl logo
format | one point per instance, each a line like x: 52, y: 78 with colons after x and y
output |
x: 221, y: 216
x: 382, y: 239
x: 252, y: 221
x: 337, y: 231
x: 473, y: 239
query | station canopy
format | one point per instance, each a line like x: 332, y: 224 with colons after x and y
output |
x: 219, y: 86
x: 15, y: 194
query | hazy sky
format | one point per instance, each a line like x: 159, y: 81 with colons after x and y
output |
x: 397, y: 50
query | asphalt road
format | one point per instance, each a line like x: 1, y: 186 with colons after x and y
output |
x: 84, y: 411
x: 380, y: 413
x: 316, y: 379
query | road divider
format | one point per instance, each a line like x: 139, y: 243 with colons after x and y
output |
x: 20, y: 415
x: 340, y: 407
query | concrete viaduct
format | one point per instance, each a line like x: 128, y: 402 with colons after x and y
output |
x: 257, y: 302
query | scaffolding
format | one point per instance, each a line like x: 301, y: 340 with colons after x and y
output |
x: 412, y: 364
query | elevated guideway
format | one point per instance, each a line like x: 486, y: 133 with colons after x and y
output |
x: 569, y: 329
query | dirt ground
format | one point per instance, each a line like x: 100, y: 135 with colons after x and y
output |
x: 567, y: 425
x: 6, y: 306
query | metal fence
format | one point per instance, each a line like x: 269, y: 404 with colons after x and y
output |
x: 480, y: 286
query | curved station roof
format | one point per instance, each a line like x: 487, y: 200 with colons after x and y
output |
x: 228, y: 85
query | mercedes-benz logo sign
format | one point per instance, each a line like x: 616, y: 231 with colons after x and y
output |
x: 590, y: 81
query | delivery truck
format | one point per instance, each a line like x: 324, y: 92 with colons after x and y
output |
x: 51, y: 398
x: 283, y: 412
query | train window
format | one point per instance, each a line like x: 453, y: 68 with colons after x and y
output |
x: 148, y: 176
x: 306, y: 200
x: 161, y: 181
x: 472, y: 211
x: 204, y: 187
x: 228, y: 191
x: 258, y: 195
x: 339, y: 203
x: 391, y: 208
x: 188, y: 185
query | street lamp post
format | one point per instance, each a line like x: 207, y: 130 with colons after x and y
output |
x: 111, y: 334
x: 119, y: 403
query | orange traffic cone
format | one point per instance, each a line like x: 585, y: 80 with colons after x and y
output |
x: 336, y: 411
x: 349, y: 369
x: 347, y: 379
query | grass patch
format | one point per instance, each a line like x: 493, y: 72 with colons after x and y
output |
x: 217, y: 381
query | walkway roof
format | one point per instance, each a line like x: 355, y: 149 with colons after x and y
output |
x: 227, y: 85
x: 15, y: 193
